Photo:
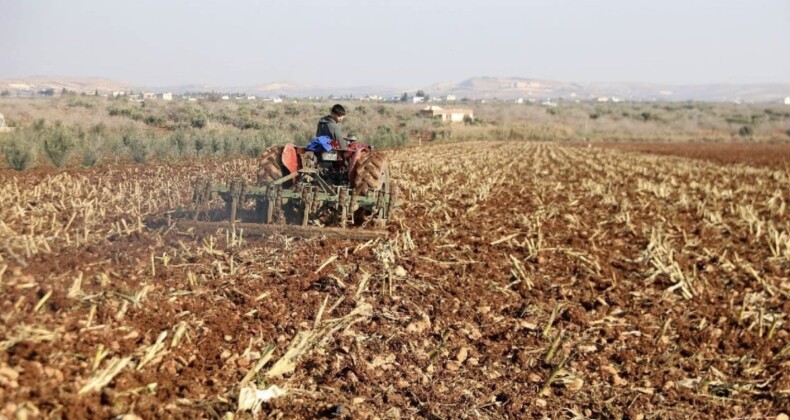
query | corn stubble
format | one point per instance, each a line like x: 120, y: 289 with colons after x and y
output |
x: 522, y: 279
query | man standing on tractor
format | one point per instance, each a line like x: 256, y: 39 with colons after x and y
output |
x: 351, y: 139
x: 330, y: 125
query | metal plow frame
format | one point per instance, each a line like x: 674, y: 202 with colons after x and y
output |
x: 308, y: 197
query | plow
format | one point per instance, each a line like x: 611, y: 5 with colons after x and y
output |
x: 318, y: 190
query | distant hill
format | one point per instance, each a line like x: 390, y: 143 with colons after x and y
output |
x: 303, y: 90
x: 473, y: 88
x: 507, y: 88
x: 516, y: 87
x: 75, y: 84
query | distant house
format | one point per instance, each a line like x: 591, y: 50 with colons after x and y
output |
x: 2, y: 121
x: 167, y: 96
x: 149, y: 95
x: 448, y: 115
x: 118, y: 93
x: 417, y: 99
x: 787, y: 100
x: 449, y: 98
x: 520, y: 100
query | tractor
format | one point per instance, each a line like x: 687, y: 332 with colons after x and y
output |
x: 311, y: 190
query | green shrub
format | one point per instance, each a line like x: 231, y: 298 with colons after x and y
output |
x: 745, y: 131
x: 247, y: 124
x: 738, y: 119
x: 179, y: 140
x: 58, y: 144
x: 89, y: 146
x: 386, y: 136
x: 140, y: 152
x: 199, y: 142
x: 251, y: 145
x: 199, y: 120
x: 74, y: 103
x: 19, y: 151
x: 788, y: 132
x: 215, y: 143
x: 292, y: 110
x: 270, y: 135
x: 139, y: 149
x: 161, y: 148
x: 89, y: 156
x: 227, y: 145
x: 154, y: 120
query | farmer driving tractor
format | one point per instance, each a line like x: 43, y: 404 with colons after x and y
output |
x: 329, y: 126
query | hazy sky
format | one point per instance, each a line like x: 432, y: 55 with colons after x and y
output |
x: 408, y: 43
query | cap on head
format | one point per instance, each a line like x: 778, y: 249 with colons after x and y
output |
x: 351, y: 137
x: 339, y: 110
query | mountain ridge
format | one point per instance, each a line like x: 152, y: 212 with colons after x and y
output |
x: 481, y: 87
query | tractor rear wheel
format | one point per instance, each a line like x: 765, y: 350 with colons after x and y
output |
x: 371, y: 174
x: 270, y: 165
x: 270, y: 168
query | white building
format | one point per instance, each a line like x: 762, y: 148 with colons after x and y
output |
x: 520, y: 100
x: 2, y: 121
x: 787, y: 100
x: 167, y: 96
x: 448, y: 115
x: 449, y: 98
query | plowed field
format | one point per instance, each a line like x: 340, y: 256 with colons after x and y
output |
x: 519, y: 280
